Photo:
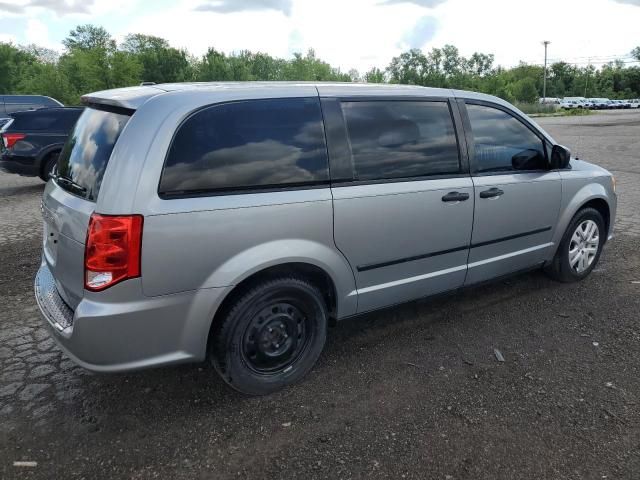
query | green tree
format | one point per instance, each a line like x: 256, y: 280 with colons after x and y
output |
x: 14, y: 63
x: 375, y: 75
x: 214, y: 66
x: 524, y: 90
x: 89, y: 37
x: 160, y: 62
x: 93, y: 61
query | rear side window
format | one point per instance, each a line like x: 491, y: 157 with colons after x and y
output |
x: 502, y: 142
x: 400, y: 139
x: 85, y: 155
x: 33, y: 122
x: 45, y: 120
x: 270, y: 143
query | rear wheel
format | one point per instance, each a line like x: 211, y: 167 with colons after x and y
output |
x: 49, y: 166
x: 271, y: 336
x: 580, y: 248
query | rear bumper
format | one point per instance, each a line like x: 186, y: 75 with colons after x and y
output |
x: 27, y: 166
x: 126, y: 334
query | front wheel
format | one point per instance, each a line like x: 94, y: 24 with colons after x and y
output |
x: 271, y: 336
x: 580, y: 248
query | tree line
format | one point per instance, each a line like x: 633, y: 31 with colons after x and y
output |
x: 92, y: 60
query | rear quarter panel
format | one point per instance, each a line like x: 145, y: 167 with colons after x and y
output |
x: 216, y: 241
x: 219, y: 241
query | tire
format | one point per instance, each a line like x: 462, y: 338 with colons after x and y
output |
x: 271, y: 336
x: 573, y: 242
x: 49, y: 164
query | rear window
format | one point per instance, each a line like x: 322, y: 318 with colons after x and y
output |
x: 84, y: 158
x: 263, y: 144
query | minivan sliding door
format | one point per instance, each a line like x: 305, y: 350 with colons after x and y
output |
x: 403, y: 206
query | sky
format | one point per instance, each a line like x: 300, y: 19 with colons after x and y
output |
x: 348, y: 33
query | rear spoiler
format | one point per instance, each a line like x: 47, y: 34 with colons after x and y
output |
x: 127, y: 99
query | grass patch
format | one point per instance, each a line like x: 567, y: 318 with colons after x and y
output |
x: 530, y: 108
x: 576, y: 112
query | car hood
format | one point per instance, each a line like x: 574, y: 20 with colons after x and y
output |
x: 581, y: 165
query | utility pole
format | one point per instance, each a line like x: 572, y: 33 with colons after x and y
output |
x: 586, y: 82
x: 544, y: 82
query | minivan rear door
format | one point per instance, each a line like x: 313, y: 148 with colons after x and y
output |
x: 403, y: 204
x: 70, y: 198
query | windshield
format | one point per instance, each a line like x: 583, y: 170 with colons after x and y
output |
x: 84, y: 157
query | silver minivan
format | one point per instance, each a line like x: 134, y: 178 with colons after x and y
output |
x: 235, y: 221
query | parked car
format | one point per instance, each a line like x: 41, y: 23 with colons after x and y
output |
x: 549, y: 101
x: 634, y: 103
x: 570, y: 104
x: 16, y: 103
x: 192, y: 221
x: 623, y: 104
x: 32, y: 140
x: 600, y: 103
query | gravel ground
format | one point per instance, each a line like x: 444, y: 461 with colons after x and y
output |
x: 411, y: 392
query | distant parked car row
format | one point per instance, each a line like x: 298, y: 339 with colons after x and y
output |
x: 570, y: 103
x: 33, y: 129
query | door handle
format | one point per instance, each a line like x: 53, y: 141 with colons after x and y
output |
x: 455, y: 197
x: 491, y: 193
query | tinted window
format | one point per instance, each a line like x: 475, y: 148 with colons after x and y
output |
x: 29, y: 122
x: 50, y: 120
x: 396, y: 139
x: 84, y: 157
x: 502, y: 142
x: 20, y: 107
x: 259, y: 143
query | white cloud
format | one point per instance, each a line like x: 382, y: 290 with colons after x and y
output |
x: 423, y: 31
x: 8, y: 38
x: 230, y: 6
x: 30, y: 8
x: 515, y: 31
x: 421, y: 3
x: 360, y: 33
x: 37, y: 33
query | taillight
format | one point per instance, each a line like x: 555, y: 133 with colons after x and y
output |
x: 112, y: 251
x: 9, y: 139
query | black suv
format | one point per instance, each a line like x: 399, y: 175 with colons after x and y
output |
x: 18, y: 103
x: 32, y: 140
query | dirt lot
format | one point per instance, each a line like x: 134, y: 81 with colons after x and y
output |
x: 411, y: 392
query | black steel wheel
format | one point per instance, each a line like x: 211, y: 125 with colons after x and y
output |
x: 271, y: 336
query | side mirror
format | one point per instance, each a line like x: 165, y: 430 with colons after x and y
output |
x: 560, y: 157
x: 529, y: 159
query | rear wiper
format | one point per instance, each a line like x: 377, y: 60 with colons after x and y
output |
x: 67, y: 182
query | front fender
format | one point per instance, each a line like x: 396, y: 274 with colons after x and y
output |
x: 278, y: 252
x: 574, y: 197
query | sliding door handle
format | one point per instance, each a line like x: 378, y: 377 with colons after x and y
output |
x: 455, y: 197
x: 491, y: 193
